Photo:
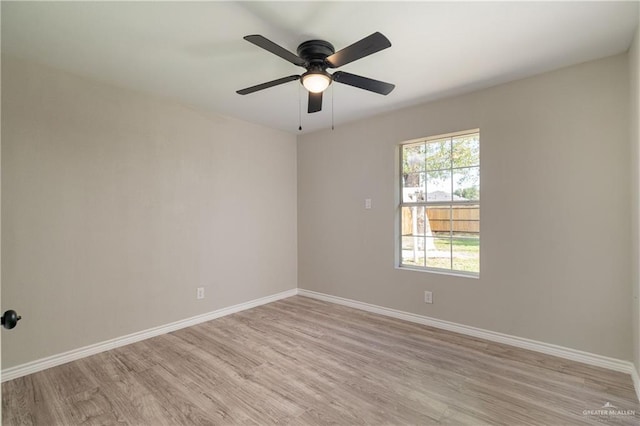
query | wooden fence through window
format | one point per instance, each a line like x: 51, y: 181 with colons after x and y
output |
x: 441, y: 218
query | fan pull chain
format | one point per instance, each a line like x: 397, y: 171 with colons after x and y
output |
x: 299, y: 109
x: 332, y: 97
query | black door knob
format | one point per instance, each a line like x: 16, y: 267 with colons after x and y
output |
x: 10, y: 319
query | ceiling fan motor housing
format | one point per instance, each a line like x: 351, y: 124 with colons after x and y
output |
x: 314, y: 52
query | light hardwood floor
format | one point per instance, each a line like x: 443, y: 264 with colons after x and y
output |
x: 302, y: 361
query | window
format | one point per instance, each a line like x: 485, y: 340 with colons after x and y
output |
x: 440, y: 203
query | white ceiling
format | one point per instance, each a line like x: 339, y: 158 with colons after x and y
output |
x: 194, y: 52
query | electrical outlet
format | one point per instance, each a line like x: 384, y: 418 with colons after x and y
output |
x: 200, y: 293
x: 367, y: 203
x: 428, y: 297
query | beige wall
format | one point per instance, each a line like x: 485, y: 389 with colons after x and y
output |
x: 634, y: 73
x: 555, y: 261
x: 116, y: 206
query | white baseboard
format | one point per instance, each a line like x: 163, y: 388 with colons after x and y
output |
x: 545, y: 348
x: 63, y: 358
x: 636, y: 382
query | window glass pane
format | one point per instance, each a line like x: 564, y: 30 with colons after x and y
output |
x: 438, y: 253
x: 421, y: 221
x: 439, y: 221
x: 413, y: 251
x: 466, y: 254
x: 466, y: 221
x: 439, y: 154
x: 413, y: 157
x: 466, y: 150
x: 406, y: 221
x: 413, y: 187
x: 414, y: 221
x: 439, y: 185
x: 466, y: 184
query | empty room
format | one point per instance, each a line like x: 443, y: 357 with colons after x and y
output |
x: 314, y: 213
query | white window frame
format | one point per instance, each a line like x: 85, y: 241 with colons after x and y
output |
x: 426, y: 203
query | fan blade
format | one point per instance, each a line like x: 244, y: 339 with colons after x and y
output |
x: 365, y: 47
x: 267, y: 85
x: 315, y: 102
x: 363, y: 82
x: 278, y: 50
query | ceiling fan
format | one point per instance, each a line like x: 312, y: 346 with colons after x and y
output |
x: 318, y: 55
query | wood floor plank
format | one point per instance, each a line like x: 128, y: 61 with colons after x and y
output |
x: 19, y: 409
x: 301, y: 361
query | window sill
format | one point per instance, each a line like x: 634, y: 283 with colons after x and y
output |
x: 441, y: 272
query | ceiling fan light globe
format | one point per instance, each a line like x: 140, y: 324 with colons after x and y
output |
x: 316, y: 83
